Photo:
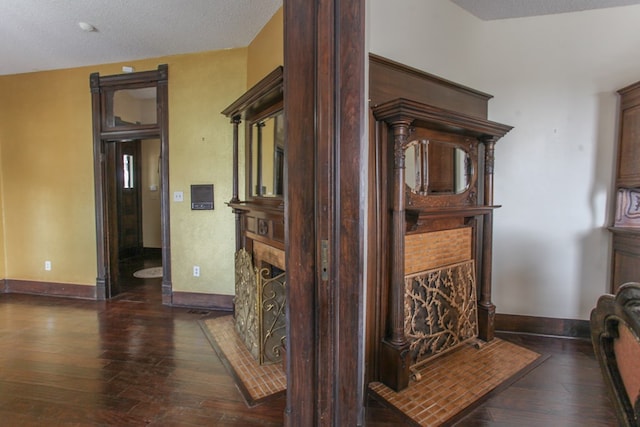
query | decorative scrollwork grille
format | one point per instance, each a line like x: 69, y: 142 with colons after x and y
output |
x: 440, y: 310
x: 246, y: 303
x: 260, y: 301
x: 272, y: 311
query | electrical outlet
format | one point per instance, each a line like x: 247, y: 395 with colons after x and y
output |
x: 196, y: 271
x: 47, y: 265
x: 178, y: 196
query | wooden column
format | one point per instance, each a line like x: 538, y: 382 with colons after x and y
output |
x: 236, y: 123
x: 236, y: 120
x: 258, y: 189
x: 395, y: 347
x: 486, y: 308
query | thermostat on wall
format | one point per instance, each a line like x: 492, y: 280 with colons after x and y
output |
x: 201, y: 197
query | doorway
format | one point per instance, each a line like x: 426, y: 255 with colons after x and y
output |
x: 133, y: 169
x: 128, y: 111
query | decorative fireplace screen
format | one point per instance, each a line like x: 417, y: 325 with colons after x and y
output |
x: 260, y: 308
x: 440, y: 310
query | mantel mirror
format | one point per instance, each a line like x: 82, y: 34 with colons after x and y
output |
x: 434, y: 167
x: 266, y: 150
x: 261, y: 110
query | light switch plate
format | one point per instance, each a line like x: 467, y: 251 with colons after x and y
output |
x: 178, y: 196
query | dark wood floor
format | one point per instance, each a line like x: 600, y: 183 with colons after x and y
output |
x: 131, y: 361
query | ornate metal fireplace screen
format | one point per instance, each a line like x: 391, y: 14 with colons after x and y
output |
x: 440, y: 310
x: 260, y: 309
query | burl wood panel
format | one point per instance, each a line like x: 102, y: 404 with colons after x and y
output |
x: 426, y: 251
x: 269, y: 254
x: 626, y: 260
x: 629, y: 149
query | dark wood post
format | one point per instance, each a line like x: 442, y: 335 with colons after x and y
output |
x: 236, y: 120
x: 395, y: 345
x: 258, y: 190
x: 486, y: 308
x: 489, y: 160
x: 102, y: 278
x: 236, y: 123
x: 165, y: 200
x: 324, y: 102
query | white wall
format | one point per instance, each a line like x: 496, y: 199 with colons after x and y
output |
x: 554, y: 79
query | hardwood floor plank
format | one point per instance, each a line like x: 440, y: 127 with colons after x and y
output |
x: 131, y: 361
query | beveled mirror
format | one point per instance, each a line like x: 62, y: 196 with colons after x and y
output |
x: 434, y: 167
x: 267, y: 156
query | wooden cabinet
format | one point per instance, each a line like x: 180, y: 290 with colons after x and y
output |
x: 626, y: 224
x: 431, y: 219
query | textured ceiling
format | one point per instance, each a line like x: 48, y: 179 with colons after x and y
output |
x: 44, y: 34
x: 40, y: 35
x: 502, y: 9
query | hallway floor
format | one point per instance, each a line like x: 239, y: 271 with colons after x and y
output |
x: 131, y: 361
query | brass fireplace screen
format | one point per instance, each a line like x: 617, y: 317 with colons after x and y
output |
x: 260, y: 308
x: 440, y: 309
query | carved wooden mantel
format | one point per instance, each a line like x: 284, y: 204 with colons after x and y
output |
x: 401, y: 119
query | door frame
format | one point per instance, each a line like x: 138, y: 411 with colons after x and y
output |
x: 325, y: 210
x: 102, y: 89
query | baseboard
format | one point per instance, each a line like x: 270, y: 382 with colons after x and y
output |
x: 67, y: 290
x: 199, y: 300
x: 504, y: 322
x: 543, y: 326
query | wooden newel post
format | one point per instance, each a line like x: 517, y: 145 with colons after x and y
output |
x: 486, y: 308
x: 395, y: 347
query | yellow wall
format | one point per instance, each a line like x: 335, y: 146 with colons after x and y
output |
x: 3, y: 261
x: 47, y: 175
x: 266, y: 51
x: 46, y: 165
x: 47, y: 169
x: 200, y: 87
x: 151, y: 227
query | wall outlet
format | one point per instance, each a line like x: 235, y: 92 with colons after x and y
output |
x: 196, y: 271
x: 178, y: 196
x: 47, y: 265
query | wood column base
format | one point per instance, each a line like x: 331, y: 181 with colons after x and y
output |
x: 394, y: 361
x: 486, y: 321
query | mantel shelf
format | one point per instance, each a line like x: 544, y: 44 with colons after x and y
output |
x: 625, y: 230
x: 275, y: 205
x: 447, y: 212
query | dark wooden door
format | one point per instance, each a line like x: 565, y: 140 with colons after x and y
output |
x: 128, y: 193
x: 123, y: 207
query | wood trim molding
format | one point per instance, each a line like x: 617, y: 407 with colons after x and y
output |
x: 106, y: 227
x: 324, y: 104
x: 570, y: 328
x: 200, y: 300
x: 68, y: 290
